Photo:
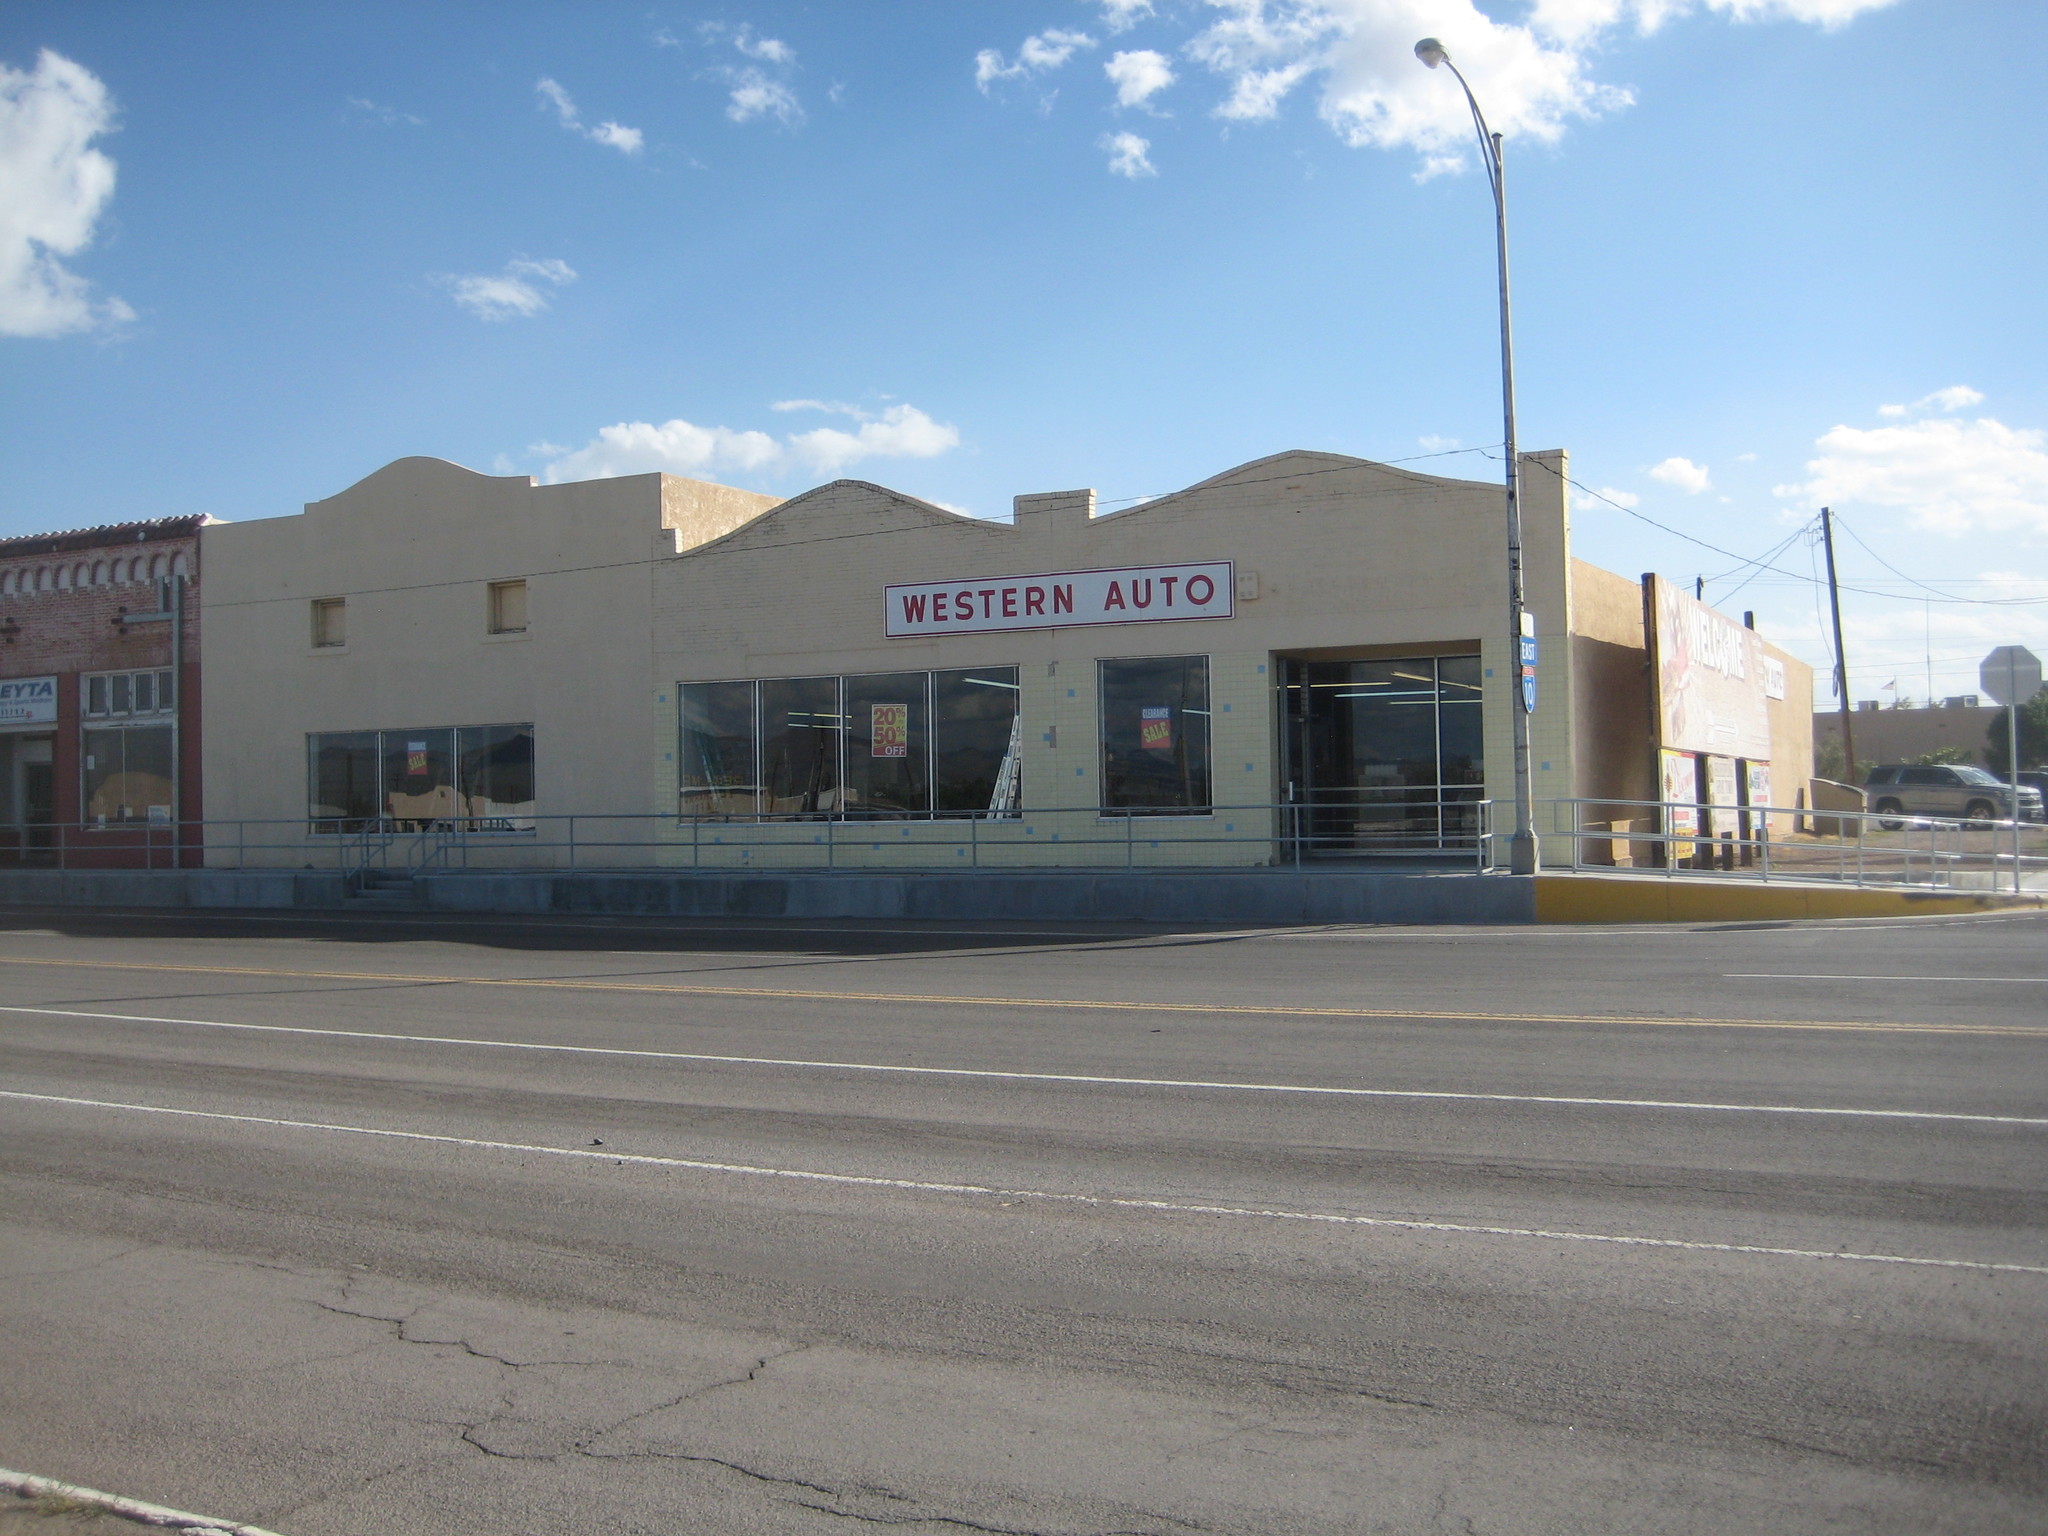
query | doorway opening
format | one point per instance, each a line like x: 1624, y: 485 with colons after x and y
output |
x: 1384, y: 757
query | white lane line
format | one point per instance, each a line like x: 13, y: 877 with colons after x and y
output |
x: 1054, y: 1197
x: 2031, y: 981
x: 1049, y: 1077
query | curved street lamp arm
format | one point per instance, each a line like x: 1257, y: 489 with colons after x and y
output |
x: 1489, y: 141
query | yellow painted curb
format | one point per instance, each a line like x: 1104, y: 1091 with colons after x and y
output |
x: 1605, y: 899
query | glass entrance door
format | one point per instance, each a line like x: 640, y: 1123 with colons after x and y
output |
x: 1385, y: 757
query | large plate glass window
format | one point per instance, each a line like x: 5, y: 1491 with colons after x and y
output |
x: 419, y: 777
x: 800, y: 729
x: 976, y: 751
x: 343, y: 769
x: 716, y: 771
x: 888, y: 744
x: 479, y: 778
x: 494, y: 771
x: 1155, y: 735
x: 130, y: 774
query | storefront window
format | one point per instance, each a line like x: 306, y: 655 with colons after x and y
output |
x: 343, y: 767
x: 479, y: 778
x: 130, y: 774
x: 976, y: 754
x: 716, y: 773
x: 1155, y: 735
x: 888, y: 744
x: 800, y: 730
x: 494, y: 764
x: 419, y: 777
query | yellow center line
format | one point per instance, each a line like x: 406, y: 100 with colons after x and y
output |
x: 694, y: 989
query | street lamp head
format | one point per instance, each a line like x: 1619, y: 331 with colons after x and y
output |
x: 1431, y: 52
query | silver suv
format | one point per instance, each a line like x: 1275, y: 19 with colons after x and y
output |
x: 1958, y: 792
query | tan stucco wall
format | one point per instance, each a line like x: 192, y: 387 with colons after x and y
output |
x: 1345, y: 555
x: 1615, y: 740
x: 1791, y: 735
x: 412, y: 549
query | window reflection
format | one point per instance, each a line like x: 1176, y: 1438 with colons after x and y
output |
x: 1155, y: 734
x: 717, y: 774
x: 883, y: 744
x: 1386, y: 755
x: 800, y: 729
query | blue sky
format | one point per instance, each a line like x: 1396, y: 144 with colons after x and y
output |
x: 1768, y: 253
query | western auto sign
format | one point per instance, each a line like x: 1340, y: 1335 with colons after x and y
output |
x: 28, y: 701
x: 1138, y: 594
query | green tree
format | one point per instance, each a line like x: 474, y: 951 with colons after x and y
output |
x: 1942, y: 755
x: 2033, y: 736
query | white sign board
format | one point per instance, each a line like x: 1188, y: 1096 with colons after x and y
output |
x: 1139, y: 594
x: 1712, y: 679
x: 2011, y: 674
x: 28, y: 701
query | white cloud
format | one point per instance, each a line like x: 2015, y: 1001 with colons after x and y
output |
x: 1576, y: 20
x: 1952, y: 476
x: 617, y: 136
x: 681, y: 448
x: 1682, y: 473
x: 1256, y: 94
x: 900, y: 432
x: 754, y: 95
x: 1957, y: 397
x: 1040, y: 52
x: 53, y: 187
x: 1534, y: 78
x: 1128, y: 154
x: 1619, y: 497
x: 1122, y: 15
x: 389, y: 116
x: 769, y: 50
x: 513, y: 292
x: 1139, y: 75
x: 1431, y: 443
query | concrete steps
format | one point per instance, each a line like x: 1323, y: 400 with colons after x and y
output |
x: 384, y: 890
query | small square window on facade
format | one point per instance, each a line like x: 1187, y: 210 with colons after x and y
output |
x: 330, y: 621
x: 508, y: 607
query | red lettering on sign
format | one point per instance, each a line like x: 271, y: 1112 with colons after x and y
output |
x: 1146, y: 600
x: 963, y: 607
x: 1063, y: 599
x: 1034, y: 600
x: 1208, y: 590
x: 913, y: 607
x: 1168, y: 582
x: 1009, y: 602
x: 938, y: 607
x: 1115, y: 598
x: 985, y: 594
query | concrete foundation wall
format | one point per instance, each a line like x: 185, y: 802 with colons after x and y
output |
x: 1252, y: 897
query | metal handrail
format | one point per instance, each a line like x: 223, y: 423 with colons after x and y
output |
x: 1584, y: 834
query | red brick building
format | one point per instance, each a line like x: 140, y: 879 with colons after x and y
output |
x: 99, y: 696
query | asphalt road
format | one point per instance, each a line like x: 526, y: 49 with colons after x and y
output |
x: 693, y: 1229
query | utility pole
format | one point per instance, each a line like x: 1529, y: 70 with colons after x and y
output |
x: 1827, y: 534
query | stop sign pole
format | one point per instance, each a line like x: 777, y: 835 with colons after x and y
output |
x: 2012, y: 675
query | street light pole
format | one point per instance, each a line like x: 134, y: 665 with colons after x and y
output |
x: 1522, y: 852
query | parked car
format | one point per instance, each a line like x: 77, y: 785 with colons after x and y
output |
x: 2038, y: 777
x: 1957, y: 792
